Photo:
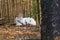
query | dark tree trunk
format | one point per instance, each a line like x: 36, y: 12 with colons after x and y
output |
x: 38, y: 11
x: 51, y: 19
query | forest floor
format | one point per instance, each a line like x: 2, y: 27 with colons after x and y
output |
x: 19, y: 32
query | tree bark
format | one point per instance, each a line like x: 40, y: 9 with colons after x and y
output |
x: 50, y: 19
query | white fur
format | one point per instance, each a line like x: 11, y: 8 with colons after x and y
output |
x: 25, y: 21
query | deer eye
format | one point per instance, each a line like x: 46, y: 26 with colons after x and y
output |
x: 30, y: 20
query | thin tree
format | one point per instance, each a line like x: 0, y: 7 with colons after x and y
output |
x: 38, y: 11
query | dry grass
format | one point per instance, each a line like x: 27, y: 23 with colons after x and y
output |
x: 19, y: 33
x: 57, y: 38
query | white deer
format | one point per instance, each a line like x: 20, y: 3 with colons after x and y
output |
x: 24, y: 21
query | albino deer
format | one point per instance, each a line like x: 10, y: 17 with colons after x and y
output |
x: 24, y: 21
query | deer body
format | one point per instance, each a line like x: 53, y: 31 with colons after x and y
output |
x: 24, y: 21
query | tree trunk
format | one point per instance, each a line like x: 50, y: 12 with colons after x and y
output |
x: 38, y: 11
x: 50, y: 19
